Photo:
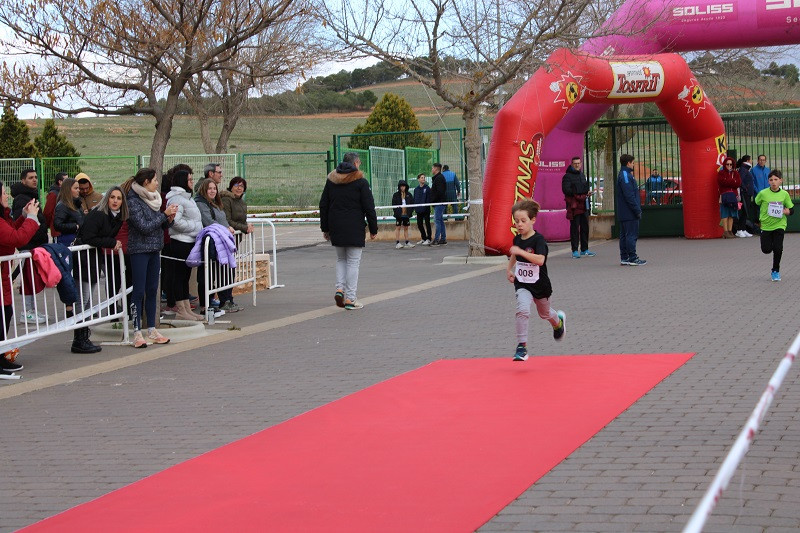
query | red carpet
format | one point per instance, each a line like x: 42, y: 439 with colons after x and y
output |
x: 441, y: 448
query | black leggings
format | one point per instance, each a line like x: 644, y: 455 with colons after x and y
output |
x: 181, y: 272
x: 772, y: 242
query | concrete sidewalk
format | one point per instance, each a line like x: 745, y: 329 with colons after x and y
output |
x: 79, y: 426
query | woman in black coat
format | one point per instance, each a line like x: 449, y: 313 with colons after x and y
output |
x: 68, y: 216
x: 99, y: 229
x: 346, y: 201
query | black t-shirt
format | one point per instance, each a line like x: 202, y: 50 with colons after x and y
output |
x: 537, y: 245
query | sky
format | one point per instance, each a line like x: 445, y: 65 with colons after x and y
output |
x: 28, y: 112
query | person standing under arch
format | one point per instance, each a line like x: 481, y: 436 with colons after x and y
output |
x: 629, y: 211
x: 575, y: 187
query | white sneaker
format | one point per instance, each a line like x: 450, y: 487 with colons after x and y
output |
x: 421, y: 242
x: 747, y: 233
x: 741, y: 234
x: 32, y: 318
x: 409, y: 245
x: 398, y: 245
x: 427, y: 242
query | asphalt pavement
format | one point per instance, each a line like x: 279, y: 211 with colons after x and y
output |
x: 79, y: 426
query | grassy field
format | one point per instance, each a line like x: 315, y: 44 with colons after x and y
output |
x: 116, y: 136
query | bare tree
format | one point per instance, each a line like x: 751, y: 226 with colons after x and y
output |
x: 465, y: 50
x: 125, y: 57
x: 283, y: 51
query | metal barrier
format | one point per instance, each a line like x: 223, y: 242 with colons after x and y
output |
x: 273, y: 265
x: 219, y: 277
x: 35, y: 314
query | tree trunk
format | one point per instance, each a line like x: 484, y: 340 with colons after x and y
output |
x: 472, y: 146
x: 205, y: 136
x: 163, y: 131
x: 233, y: 101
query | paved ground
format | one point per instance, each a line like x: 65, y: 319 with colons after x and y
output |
x: 80, y: 426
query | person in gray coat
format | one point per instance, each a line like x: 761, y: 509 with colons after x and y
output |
x: 211, y: 212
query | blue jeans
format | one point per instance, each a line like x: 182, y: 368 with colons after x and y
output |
x: 438, y: 220
x: 628, y: 235
x: 145, y: 270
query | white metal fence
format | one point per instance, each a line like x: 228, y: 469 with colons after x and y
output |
x: 218, y: 277
x: 10, y: 169
x: 37, y: 311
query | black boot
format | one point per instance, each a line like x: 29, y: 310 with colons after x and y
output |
x: 81, y: 343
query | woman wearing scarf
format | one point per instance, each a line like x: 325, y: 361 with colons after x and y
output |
x: 146, y: 223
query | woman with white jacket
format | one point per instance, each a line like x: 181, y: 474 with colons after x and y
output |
x: 182, y: 235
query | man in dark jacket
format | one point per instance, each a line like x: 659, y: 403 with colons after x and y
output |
x: 422, y: 195
x: 629, y: 210
x: 575, y: 187
x: 438, y: 194
x: 23, y: 192
x: 346, y: 200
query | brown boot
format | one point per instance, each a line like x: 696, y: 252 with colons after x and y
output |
x: 184, y: 311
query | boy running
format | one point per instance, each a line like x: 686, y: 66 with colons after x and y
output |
x: 774, y: 204
x: 527, y: 270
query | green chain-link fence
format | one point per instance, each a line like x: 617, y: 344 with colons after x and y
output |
x: 103, y: 171
x: 285, y: 180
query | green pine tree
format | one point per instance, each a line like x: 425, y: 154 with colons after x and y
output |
x: 15, y: 138
x: 391, y: 114
x: 52, y: 143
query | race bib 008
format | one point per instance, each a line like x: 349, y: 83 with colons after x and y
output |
x: 526, y: 272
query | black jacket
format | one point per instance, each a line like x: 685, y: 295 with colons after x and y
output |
x: 100, y: 230
x: 346, y: 200
x: 397, y: 199
x: 438, y: 188
x: 22, y: 195
x: 574, y: 182
x: 66, y: 221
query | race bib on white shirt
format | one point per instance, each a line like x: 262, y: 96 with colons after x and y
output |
x: 775, y: 209
x: 526, y: 272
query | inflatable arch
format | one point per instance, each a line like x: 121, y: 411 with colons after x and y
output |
x: 551, y: 93
x: 642, y: 27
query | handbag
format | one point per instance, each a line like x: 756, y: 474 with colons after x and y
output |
x: 729, y: 199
